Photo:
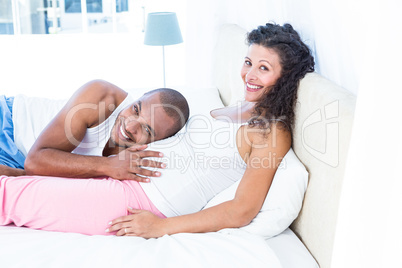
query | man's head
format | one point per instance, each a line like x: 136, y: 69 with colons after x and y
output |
x: 158, y: 114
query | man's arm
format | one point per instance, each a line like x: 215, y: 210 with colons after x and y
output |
x: 51, y: 153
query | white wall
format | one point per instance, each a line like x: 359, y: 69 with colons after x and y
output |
x: 55, y: 66
x: 333, y: 30
x: 369, y: 232
x: 330, y: 28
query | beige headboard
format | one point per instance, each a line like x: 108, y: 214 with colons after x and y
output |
x: 324, y: 118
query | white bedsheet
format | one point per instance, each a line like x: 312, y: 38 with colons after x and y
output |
x: 23, y: 247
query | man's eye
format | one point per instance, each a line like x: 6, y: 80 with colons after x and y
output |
x: 148, y: 132
x: 135, y: 109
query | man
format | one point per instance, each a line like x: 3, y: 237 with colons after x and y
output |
x: 101, y: 131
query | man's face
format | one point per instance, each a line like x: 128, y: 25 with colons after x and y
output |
x: 142, y: 122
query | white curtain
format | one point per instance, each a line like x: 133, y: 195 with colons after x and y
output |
x: 369, y: 231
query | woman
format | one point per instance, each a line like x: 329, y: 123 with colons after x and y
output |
x: 259, y: 135
x: 276, y: 61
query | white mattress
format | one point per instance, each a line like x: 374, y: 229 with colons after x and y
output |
x: 23, y: 247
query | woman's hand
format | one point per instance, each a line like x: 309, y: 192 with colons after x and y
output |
x: 142, y: 223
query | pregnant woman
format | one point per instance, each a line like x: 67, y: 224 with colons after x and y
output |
x: 246, y: 142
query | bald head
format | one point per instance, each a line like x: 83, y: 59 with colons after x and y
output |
x: 175, y: 106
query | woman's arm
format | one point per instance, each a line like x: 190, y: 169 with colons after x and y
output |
x: 262, y: 151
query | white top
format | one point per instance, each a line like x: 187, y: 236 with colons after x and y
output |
x: 96, y: 138
x: 201, y: 162
x: 31, y: 115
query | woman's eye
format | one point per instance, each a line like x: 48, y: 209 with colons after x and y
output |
x: 247, y: 62
x: 264, y: 68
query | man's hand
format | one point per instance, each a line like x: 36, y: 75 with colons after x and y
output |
x: 142, y: 223
x: 9, y: 171
x: 128, y: 164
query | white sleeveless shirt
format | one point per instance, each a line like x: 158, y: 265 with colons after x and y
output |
x: 96, y: 138
x: 201, y: 162
x: 31, y: 115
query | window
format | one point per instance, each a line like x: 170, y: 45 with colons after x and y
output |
x: 121, y: 5
x: 93, y: 6
x: 67, y: 16
x: 6, y: 17
x: 74, y: 6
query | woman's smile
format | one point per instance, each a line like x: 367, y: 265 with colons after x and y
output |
x: 253, y: 88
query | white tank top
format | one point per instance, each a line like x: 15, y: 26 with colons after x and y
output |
x: 201, y: 162
x: 31, y: 115
x: 95, y: 138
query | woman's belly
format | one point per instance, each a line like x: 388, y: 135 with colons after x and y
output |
x: 201, y: 162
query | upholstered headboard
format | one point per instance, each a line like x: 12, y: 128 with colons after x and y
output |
x: 324, y: 118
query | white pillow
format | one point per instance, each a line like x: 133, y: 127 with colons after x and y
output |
x: 200, y: 100
x: 283, y: 202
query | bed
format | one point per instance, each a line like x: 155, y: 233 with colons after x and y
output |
x: 323, y: 125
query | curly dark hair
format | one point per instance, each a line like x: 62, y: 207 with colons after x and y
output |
x: 295, y: 59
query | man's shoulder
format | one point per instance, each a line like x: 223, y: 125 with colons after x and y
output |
x: 97, y: 91
x: 93, y: 101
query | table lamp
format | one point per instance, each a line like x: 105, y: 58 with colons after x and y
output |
x: 162, y: 29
